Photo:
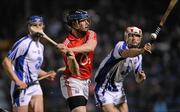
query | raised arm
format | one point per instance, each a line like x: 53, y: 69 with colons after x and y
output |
x: 132, y: 52
x: 72, y: 63
x: 90, y: 45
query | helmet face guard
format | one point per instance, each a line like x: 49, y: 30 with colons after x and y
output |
x: 32, y: 21
x: 76, y: 16
x: 130, y: 31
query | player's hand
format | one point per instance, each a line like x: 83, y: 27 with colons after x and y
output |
x: 52, y: 75
x: 140, y: 77
x: 147, y: 48
x: 62, y: 48
x: 21, y: 84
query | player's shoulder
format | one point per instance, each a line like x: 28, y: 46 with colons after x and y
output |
x: 91, y: 31
x: 121, y: 43
x: 22, y: 42
x: 92, y: 34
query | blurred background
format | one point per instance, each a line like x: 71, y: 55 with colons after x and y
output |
x: 159, y: 93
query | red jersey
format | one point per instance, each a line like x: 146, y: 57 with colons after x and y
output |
x: 85, y: 60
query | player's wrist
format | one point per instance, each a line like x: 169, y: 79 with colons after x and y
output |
x: 17, y: 81
x: 139, y: 80
x: 147, y: 51
x: 69, y: 54
x: 142, y: 50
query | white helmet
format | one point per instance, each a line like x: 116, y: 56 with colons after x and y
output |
x: 132, y: 30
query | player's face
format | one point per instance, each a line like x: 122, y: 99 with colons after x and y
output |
x: 38, y: 25
x: 134, y: 39
x: 83, y: 25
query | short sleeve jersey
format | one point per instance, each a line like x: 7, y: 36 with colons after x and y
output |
x: 85, y: 60
x: 27, y: 58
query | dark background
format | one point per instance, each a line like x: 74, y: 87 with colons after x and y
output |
x: 159, y: 93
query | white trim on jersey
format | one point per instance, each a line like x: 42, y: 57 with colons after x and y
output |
x: 18, y: 48
x: 27, y: 58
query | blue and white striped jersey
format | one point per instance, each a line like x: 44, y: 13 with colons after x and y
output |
x: 27, y: 58
x: 114, y: 68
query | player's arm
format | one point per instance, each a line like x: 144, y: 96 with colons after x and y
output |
x: 72, y: 63
x: 140, y: 76
x: 90, y: 44
x: 71, y: 60
x: 132, y: 52
x: 8, y: 67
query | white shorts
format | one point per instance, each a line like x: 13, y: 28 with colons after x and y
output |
x: 74, y: 87
x: 109, y: 96
x: 23, y: 97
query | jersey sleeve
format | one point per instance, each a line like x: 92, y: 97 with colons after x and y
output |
x: 92, y: 35
x: 66, y: 42
x: 18, y: 49
x: 120, y: 46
